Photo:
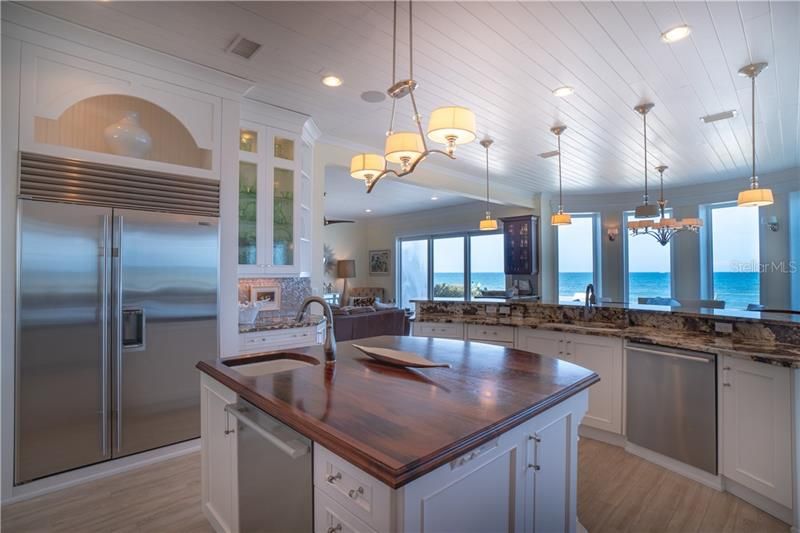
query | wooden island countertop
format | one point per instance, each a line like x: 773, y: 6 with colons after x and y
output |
x: 398, y: 424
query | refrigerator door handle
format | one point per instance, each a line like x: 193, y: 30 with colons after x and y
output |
x: 116, y: 336
x: 133, y: 329
x: 104, y: 333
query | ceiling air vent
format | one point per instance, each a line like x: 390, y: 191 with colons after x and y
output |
x: 549, y: 154
x: 243, y: 47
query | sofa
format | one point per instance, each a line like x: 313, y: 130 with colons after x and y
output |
x: 358, y: 322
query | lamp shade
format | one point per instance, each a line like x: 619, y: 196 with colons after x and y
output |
x: 346, y: 268
x: 561, y: 219
x: 403, y: 144
x: 755, y: 198
x: 364, y: 166
x: 646, y: 211
x: 488, y: 224
x: 452, y: 122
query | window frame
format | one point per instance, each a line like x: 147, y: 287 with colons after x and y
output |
x: 626, y: 216
x: 707, y: 250
x: 597, y: 247
x: 466, y: 235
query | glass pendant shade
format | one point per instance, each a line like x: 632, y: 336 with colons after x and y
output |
x: 403, y: 147
x: 454, y: 124
x: 560, y: 219
x: 488, y: 224
x: 755, y: 198
x: 364, y: 166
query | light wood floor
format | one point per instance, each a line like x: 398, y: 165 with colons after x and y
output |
x: 616, y: 492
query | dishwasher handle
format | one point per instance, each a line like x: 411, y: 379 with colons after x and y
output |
x: 292, y: 448
x: 698, y: 358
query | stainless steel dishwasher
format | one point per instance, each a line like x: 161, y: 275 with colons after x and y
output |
x: 275, y: 473
x: 672, y: 403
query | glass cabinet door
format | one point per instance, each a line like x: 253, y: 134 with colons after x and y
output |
x: 283, y: 217
x: 248, y: 209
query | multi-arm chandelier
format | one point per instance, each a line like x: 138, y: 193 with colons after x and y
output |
x: 449, y: 125
x: 664, y: 228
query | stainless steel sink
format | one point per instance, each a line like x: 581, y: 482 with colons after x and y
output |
x: 261, y: 365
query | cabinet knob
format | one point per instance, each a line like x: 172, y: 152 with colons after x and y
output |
x: 726, y: 384
x: 334, y: 477
x: 335, y: 529
x: 534, y: 438
x: 355, y: 493
x: 535, y: 467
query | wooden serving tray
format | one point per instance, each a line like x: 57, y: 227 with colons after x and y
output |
x: 398, y: 358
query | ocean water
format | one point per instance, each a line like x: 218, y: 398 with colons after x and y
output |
x: 738, y: 289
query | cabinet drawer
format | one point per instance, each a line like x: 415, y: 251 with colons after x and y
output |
x: 490, y: 333
x: 278, y: 339
x: 357, y: 492
x: 330, y: 517
x: 432, y: 329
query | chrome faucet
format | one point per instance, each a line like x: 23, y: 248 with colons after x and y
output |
x: 330, y: 340
x: 589, y: 301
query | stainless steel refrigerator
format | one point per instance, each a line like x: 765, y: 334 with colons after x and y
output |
x: 114, y: 308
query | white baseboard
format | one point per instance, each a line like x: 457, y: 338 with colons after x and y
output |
x: 695, y: 474
x: 615, y: 439
x: 98, y: 471
x: 765, y: 504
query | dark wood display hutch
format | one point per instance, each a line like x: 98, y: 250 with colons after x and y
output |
x: 521, y: 245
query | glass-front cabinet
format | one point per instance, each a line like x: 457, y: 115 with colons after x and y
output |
x: 274, y: 202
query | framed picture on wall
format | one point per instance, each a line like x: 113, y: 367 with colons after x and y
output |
x: 379, y: 262
x: 266, y: 298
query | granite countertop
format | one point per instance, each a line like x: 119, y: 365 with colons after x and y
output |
x: 281, y: 322
x: 761, y: 350
x: 398, y: 424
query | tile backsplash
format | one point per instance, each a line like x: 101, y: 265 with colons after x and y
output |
x: 293, y: 292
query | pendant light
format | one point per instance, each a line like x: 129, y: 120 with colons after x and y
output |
x: 664, y: 229
x: 449, y: 125
x: 561, y: 218
x: 754, y: 196
x: 488, y: 223
x: 646, y: 210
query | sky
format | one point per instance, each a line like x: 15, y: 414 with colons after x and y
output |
x: 735, y: 237
x: 486, y: 256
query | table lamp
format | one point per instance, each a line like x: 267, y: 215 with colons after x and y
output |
x: 346, y: 269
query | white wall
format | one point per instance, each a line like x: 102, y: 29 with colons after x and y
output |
x: 776, y: 287
x: 348, y: 241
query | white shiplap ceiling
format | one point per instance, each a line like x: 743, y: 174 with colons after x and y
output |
x: 345, y: 198
x: 502, y: 59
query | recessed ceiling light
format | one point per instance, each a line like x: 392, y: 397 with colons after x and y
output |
x: 331, y: 80
x: 434, y: 198
x: 564, y: 90
x: 368, y: 210
x: 673, y: 35
x: 546, y: 155
x: 719, y: 116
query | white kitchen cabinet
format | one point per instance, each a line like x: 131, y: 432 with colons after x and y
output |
x: 219, y: 458
x: 435, y: 329
x: 523, y: 480
x: 498, y: 335
x: 281, y: 339
x: 275, y: 192
x: 602, y: 355
x: 757, y: 427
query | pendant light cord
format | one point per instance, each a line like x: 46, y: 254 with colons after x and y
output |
x: 646, y: 196
x: 560, y: 192
x: 394, y: 44
x: 487, y: 178
x: 753, y: 178
x: 410, y: 41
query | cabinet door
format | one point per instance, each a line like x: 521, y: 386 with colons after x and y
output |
x: 549, y: 343
x: 549, y: 452
x: 757, y: 425
x: 284, y: 186
x: 219, y: 484
x: 603, y: 356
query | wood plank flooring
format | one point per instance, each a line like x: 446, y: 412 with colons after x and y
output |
x: 616, y: 492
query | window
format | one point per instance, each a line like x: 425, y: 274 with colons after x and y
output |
x: 576, y: 258
x: 413, y: 271
x: 735, y: 256
x: 647, y: 266
x: 442, y: 267
x: 448, y: 268
x: 486, y: 268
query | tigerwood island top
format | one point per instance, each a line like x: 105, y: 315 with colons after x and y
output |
x: 398, y: 424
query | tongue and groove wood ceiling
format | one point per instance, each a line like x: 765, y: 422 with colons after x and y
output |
x: 503, y: 60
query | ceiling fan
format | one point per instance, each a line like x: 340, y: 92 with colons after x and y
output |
x: 328, y: 221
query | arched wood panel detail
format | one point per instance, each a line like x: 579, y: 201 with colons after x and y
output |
x: 82, y: 126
